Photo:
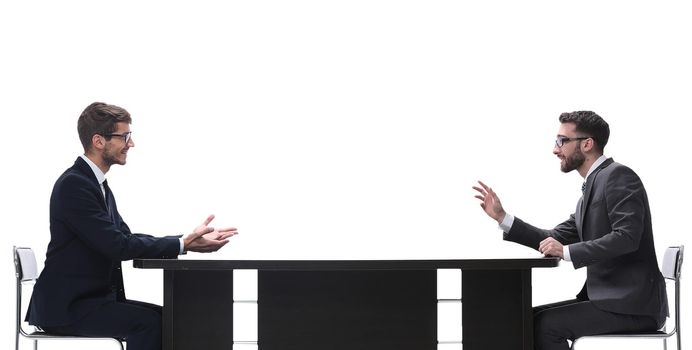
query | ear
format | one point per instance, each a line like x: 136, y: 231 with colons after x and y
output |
x: 588, y: 145
x: 98, y: 142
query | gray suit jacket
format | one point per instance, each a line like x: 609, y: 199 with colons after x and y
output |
x: 610, y: 233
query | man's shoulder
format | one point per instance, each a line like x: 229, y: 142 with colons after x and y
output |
x: 614, y: 167
x: 75, y: 175
x: 617, y: 173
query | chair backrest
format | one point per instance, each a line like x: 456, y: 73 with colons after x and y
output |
x: 672, y: 263
x: 671, y: 269
x: 26, y: 271
x: 25, y: 264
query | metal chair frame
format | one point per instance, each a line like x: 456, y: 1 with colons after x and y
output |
x: 26, y: 273
x: 671, y: 268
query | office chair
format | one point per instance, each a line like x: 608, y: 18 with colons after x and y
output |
x: 672, y: 265
x: 26, y: 273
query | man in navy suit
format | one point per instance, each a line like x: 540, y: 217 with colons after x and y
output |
x: 610, y: 234
x: 80, y: 290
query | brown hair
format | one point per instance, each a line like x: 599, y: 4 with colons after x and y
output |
x: 100, y: 118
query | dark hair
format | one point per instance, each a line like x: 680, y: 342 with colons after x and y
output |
x: 100, y: 118
x: 590, y: 124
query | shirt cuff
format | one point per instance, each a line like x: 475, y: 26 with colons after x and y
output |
x: 565, y: 253
x: 182, y: 246
x: 507, y: 223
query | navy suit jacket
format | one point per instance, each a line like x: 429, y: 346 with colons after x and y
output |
x: 87, y: 243
x: 610, y: 234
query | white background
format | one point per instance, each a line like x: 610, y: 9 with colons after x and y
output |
x: 342, y: 129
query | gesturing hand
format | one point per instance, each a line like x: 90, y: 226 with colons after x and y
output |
x: 206, y: 239
x: 490, y: 202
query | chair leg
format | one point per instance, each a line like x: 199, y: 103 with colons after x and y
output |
x: 665, y: 343
x: 35, y: 344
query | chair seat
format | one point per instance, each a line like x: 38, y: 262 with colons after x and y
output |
x: 632, y: 334
x: 652, y: 334
x: 42, y: 334
x: 26, y: 273
x: 671, y: 271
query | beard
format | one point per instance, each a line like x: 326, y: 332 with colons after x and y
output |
x: 573, y: 162
x: 110, y: 157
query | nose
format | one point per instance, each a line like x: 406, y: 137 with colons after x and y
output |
x: 130, y: 142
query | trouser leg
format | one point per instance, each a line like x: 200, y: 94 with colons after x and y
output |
x: 137, y: 322
x: 555, y: 323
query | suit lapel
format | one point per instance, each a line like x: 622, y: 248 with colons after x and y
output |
x: 81, y: 166
x: 578, y: 217
x: 586, y: 198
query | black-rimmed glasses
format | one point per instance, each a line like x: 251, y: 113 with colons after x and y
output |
x: 560, y: 141
x: 126, y: 136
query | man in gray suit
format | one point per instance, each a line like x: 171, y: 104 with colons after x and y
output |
x: 610, y: 234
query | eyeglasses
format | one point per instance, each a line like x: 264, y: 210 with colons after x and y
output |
x: 126, y: 136
x: 560, y: 141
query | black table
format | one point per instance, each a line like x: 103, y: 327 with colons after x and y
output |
x: 347, y: 304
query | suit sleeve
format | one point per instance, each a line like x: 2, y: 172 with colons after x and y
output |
x: 531, y: 236
x: 625, y: 207
x: 77, y: 204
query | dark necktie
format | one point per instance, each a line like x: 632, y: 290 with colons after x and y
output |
x: 110, y: 200
x: 583, y: 187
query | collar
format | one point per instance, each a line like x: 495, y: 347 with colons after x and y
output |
x: 595, y: 165
x: 100, y: 176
